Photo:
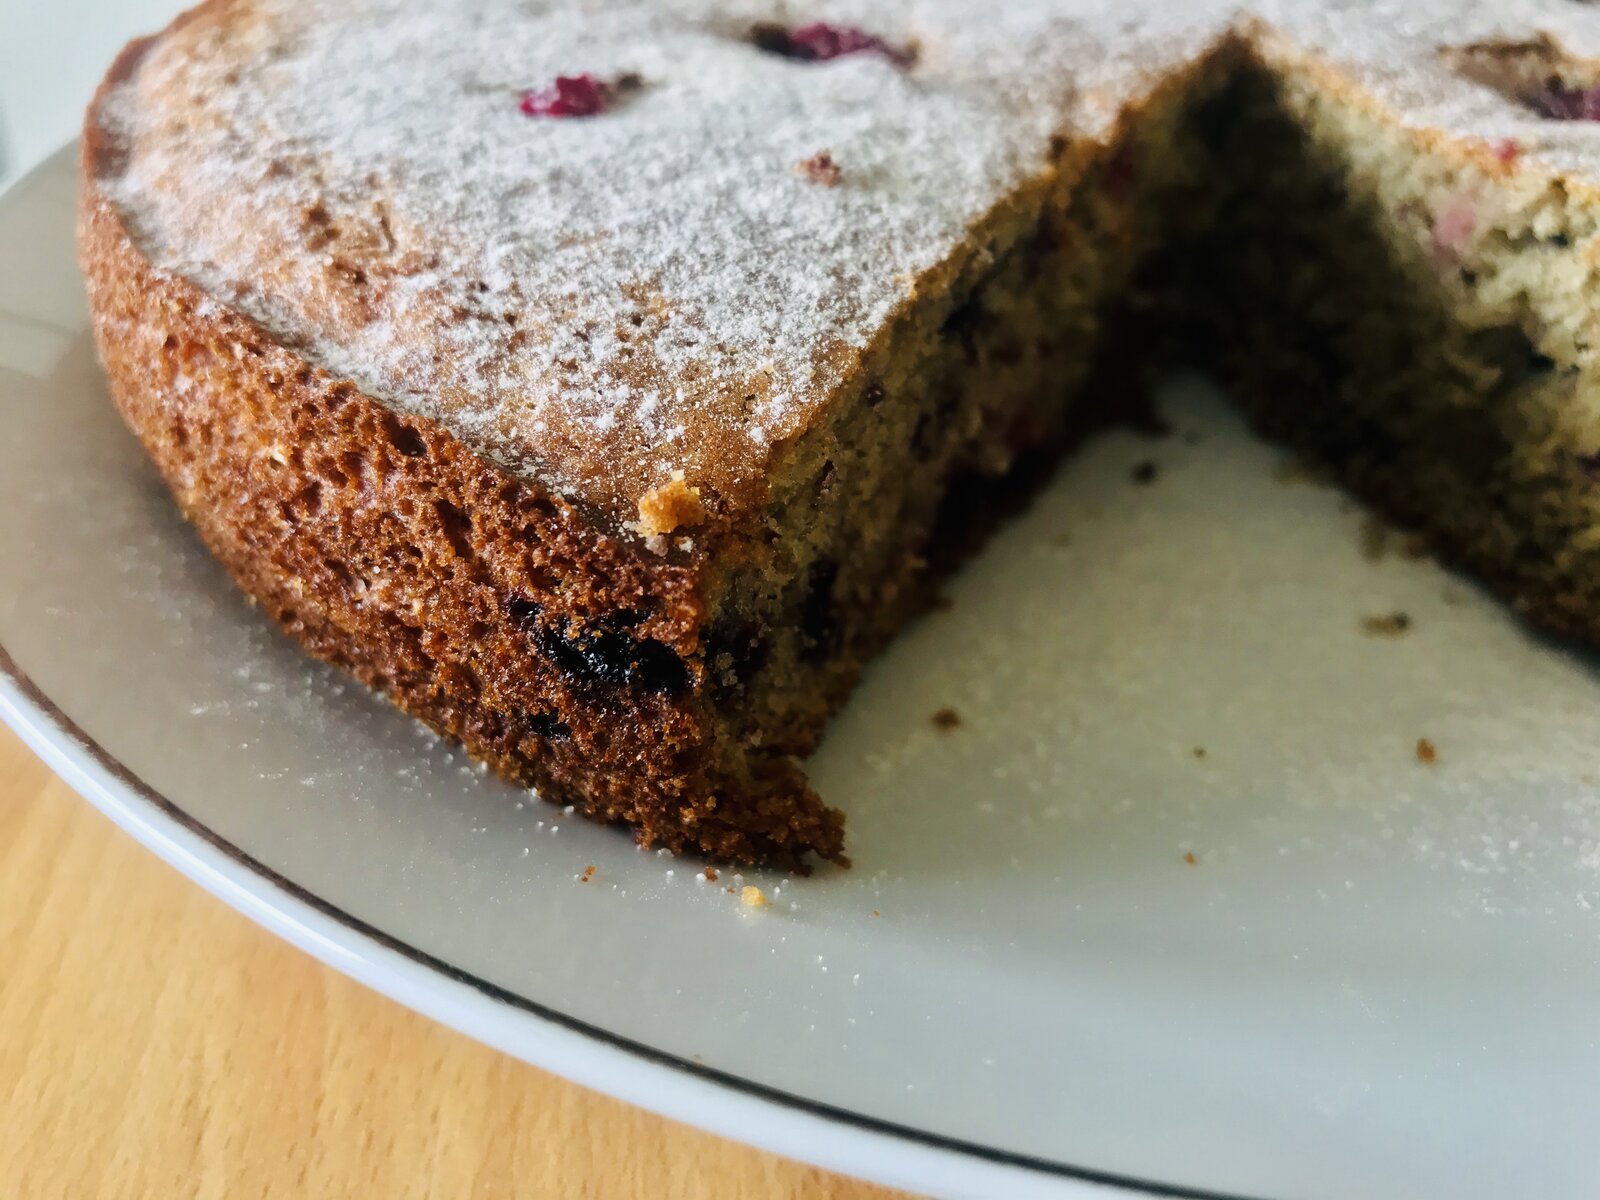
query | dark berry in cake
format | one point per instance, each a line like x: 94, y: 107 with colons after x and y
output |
x: 821, y: 41
x: 1559, y: 102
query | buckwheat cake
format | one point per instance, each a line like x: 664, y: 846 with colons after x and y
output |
x: 597, y: 381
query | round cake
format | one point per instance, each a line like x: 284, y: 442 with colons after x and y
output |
x: 606, y: 383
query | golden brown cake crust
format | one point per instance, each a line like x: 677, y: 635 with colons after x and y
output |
x: 467, y: 596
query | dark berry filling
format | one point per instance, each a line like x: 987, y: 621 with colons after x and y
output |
x: 598, y: 655
x: 549, y: 726
x: 1558, y: 102
x: 820, y: 41
x: 819, y: 620
x: 524, y: 613
x: 594, y: 653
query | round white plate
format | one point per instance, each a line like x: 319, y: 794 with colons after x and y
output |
x: 1376, y: 977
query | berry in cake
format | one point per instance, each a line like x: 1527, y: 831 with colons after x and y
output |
x: 820, y: 42
x: 576, y: 95
x: 568, y: 96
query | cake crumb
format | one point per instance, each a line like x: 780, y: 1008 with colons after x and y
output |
x: 820, y: 168
x: 753, y: 897
x: 1199, y: 751
x: 671, y: 506
x: 1388, y: 625
x: 588, y: 874
x: 711, y: 874
x: 1427, y: 752
x: 1145, y: 472
x: 1188, y: 857
x: 947, y: 719
x: 876, y: 913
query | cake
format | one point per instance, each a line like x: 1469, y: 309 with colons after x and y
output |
x: 604, y: 383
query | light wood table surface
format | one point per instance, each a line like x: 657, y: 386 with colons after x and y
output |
x: 155, y: 1043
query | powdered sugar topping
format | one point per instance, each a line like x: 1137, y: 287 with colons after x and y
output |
x: 603, y: 302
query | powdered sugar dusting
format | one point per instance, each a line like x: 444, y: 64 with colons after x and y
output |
x: 568, y: 294
x: 603, y: 302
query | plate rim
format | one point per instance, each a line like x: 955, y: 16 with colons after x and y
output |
x: 795, y: 1126
x: 718, y: 1101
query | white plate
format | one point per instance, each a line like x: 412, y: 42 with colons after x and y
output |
x: 1378, y: 978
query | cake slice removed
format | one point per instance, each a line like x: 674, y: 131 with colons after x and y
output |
x: 599, y: 384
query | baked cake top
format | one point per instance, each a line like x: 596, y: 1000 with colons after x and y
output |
x: 398, y: 190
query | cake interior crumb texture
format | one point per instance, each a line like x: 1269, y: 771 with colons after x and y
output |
x: 614, y: 444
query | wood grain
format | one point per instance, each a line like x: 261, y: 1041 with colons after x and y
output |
x: 153, y: 1042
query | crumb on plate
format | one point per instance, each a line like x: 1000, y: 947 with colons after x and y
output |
x: 1387, y: 625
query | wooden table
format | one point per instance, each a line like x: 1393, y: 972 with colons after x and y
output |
x: 153, y: 1042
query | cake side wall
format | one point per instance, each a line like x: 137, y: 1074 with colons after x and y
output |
x: 565, y: 657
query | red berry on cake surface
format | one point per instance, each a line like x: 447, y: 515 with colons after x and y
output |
x: 1558, y: 102
x: 820, y: 41
x: 569, y: 96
